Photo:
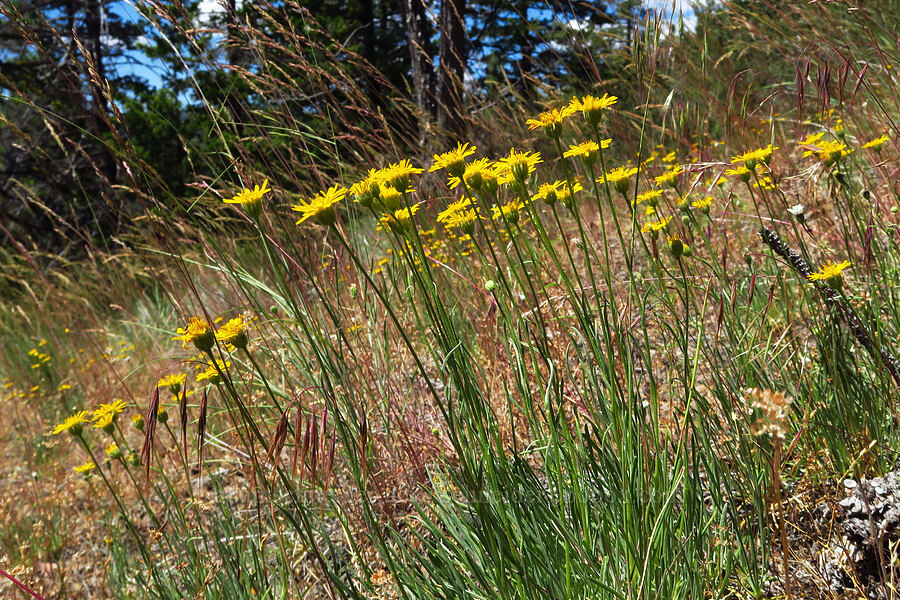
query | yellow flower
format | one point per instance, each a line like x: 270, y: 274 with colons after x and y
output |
x: 251, y: 199
x: 669, y: 177
x: 199, y: 332
x: 397, y: 221
x: 233, y: 332
x: 453, y: 208
x: 137, y: 420
x: 474, y: 175
x: 73, y: 424
x: 366, y: 191
x: 592, y: 108
x: 877, y: 143
x: 211, y: 373
x: 703, y: 204
x: 676, y: 246
x: 766, y: 183
x: 811, y: 139
x: 670, y: 157
x: 566, y: 194
x: 173, y: 381
x: 656, y: 226
x: 88, y: 466
x: 397, y: 174
x: 551, y: 121
x: 755, y: 157
x: 587, y: 151
x: 115, y: 408
x: 741, y: 171
x: 463, y: 220
x: 453, y: 160
x: 619, y: 178
x: 548, y: 192
x: 104, y: 421
x: 320, y: 208
x: 113, y: 451
x: 517, y: 166
x: 831, y: 273
x: 651, y: 197
x: 509, y: 212
x: 829, y: 152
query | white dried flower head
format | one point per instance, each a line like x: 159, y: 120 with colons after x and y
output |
x: 770, y: 410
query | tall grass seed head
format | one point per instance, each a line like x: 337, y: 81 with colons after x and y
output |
x: 771, y: 410
x: 197, y: 332
x: 251, y: 200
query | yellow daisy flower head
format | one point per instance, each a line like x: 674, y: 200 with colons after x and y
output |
x: 453, y: 160
x: 831, y: 274
x: 453, y: 208
x: 587, y: 151
x: 390, y: 199
x: 73, y: 424
x: 398, y: 221
x: 105, y: 422
x: 233, y: 332
x: 197, y: 332
x: 320, y: 208
x: 251, y: 200
x: 509, y: 212
x: 592, y: 107
x: 765, y: 183
x: 655, y: 227
x: 366, y: 192
x: 670, y: 157
x: 211, y: 373
x: 650, y: 197
x: 85, y: 468
x: 548, y: 192
x: 741, y: 172
x: 117, y: 406
x: 137, y: 421
x: 173, y: 381
x: 473, y: 175
x: 812, y: 139
x: 566, y: 194
x: 755, y: 157
x: 113, y: 451
x: 703, y: 204
x: 619, y: 177
x: 397, y: 174
x: 669, y: 177
x: 828, y: 151
x: 676, y: 246
x: 517, y: 166
x: 464, y: 220
x: 551, y: 121
x: 877, y: 143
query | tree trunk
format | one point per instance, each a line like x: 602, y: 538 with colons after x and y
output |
x: 452, y: 66
x: 420, y: 55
